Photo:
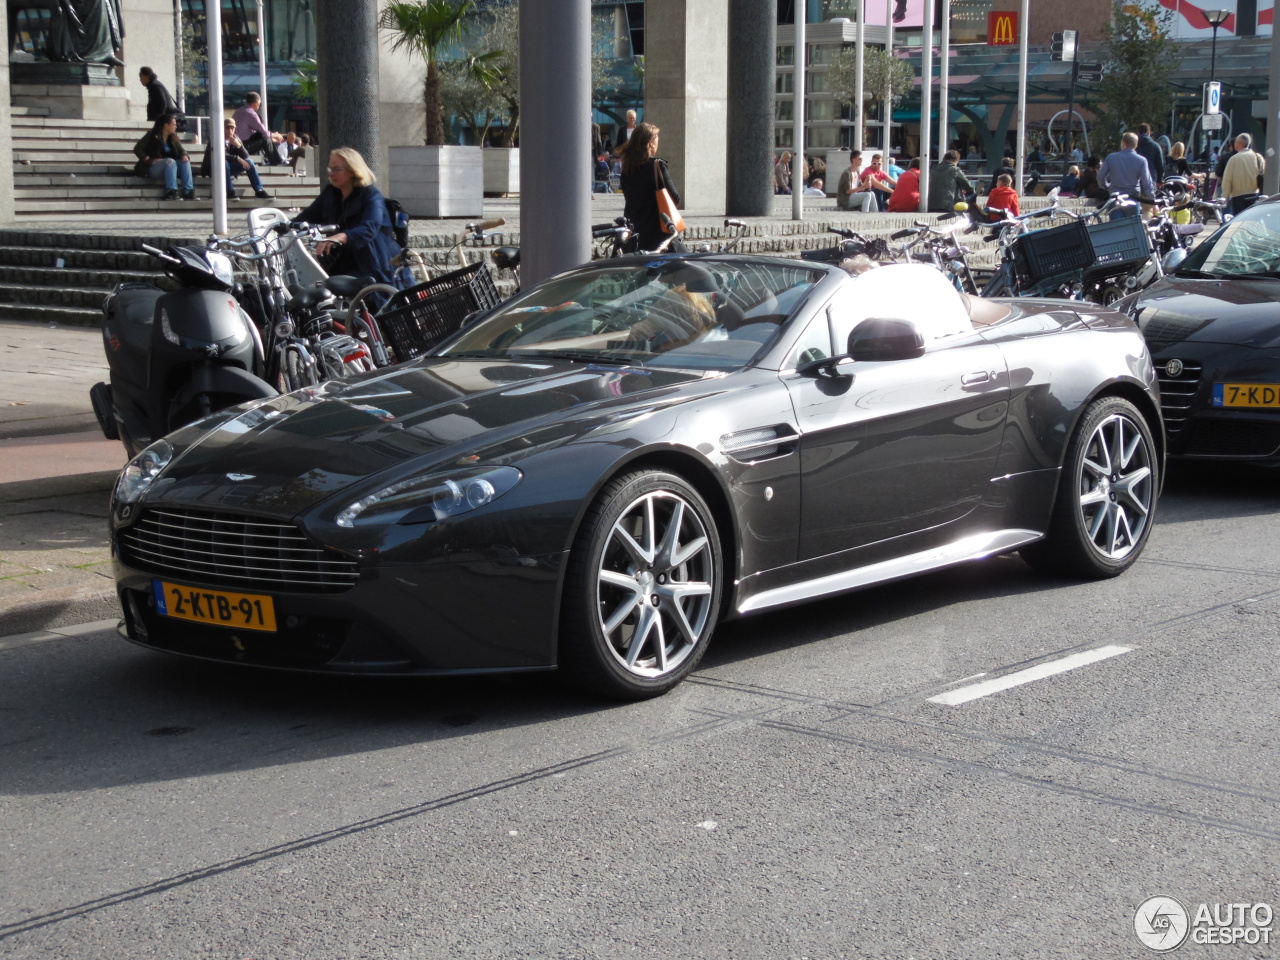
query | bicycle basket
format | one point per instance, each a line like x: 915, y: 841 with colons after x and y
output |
x: 415, y: 320
x: 1043, y: 254
x: 1119, y: 244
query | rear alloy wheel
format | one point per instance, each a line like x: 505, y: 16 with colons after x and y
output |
x: 1106, y: 498
x: 644, y: 587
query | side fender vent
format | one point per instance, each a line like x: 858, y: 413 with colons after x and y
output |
x: 760, y: 443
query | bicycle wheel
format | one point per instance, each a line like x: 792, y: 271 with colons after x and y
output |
x: 363, y: 325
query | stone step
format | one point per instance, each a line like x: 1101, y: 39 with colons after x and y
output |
x: 41, y: 176
x: 60, y: 208
x: 89, y: 278
x: 32, y: 119
x: 144, y: 190
x: 114, y: 262
x: 41, y: 313
x: 20, y: 114
x: 91, y: 242
x: 59, y: 296
x: 24, y: 135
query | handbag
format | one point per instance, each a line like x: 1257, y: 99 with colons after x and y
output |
x: 665, y: 203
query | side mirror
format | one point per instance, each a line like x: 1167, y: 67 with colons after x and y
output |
x: 1173, y: 259
x: 830, y: 368
x: 885, y: 338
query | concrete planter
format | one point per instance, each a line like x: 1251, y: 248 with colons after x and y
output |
x: 501, y: 171
x: 437, y: 182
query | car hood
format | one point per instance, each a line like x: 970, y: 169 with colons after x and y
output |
x: 1180, y: 309
x: 293, y: 451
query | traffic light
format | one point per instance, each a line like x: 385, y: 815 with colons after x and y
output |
x: 1064, y: 46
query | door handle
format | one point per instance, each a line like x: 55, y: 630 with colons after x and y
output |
x: 969, y: 379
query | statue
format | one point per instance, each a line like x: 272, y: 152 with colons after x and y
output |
x: 86, y: 31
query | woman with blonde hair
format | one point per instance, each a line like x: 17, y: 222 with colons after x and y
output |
x: 366, y: 243
x: 642, y: 174
x: 1176, y: 165
x: 782, y: 173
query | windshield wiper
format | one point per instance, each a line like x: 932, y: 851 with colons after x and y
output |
x: 586, y: 356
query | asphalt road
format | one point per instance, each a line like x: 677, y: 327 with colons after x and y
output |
x: 800, y: 796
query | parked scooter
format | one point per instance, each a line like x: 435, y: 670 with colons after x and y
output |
x: 176, y: 356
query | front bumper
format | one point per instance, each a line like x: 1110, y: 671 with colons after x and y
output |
x: 468, y: 616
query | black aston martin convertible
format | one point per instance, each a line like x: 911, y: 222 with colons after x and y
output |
x: 596, y: 472
x: 1213, y: 327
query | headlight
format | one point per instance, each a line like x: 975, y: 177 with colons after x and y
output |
x: 433, y: 497
x: 222, y: 269
x: 139, y: 473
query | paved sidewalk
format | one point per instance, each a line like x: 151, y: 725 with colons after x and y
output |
x: 56, y: 472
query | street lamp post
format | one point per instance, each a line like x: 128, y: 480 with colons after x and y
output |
x: 1216, y: 19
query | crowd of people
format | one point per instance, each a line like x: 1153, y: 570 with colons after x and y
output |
x: 162, y: 156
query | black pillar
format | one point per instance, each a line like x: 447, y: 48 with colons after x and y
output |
x: 347, y: 68
x: 555, y: 137
x: 752, y: 50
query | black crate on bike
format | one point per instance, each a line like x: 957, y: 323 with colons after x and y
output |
x: 1119, y: 244
x: 1042, y: 254
x: 415, y: 320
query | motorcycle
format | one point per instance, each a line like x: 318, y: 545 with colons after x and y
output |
x: 175, y: 356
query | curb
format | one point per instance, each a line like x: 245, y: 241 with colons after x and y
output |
x: 17, y: 491
x: 49, y: 612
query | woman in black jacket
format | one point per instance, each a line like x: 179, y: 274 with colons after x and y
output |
x: 642, y: 175
x: 160, y: 154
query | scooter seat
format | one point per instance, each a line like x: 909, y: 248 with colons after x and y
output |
x: 347, y: 287
x: 506, y: 258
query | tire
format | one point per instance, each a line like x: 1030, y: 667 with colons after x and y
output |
x: 1106, y: 499
x: 643, y: 589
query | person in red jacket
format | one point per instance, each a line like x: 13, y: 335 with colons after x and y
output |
x: 1003, y: 196
x: 906, y: 195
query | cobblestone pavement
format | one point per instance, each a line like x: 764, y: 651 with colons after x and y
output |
x: 55, y: 473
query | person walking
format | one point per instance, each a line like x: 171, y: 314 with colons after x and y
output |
x: 947, y: 184
x: 625, y: 133
x: 1126, y: 171
x: 850, y: 193
x: 237, y: 163
x: 1242, y: 178
x: 366, y: 243
x: 782, y: 173
x: 252, y: 132
x: 159, y: 101
x: 1151, y: 152
x: 643, y: 172
x: 161, y: 155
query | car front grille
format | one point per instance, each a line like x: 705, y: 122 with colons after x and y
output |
x: 216, y: 548
x: 1234, y: 438
x: 1177, y: 394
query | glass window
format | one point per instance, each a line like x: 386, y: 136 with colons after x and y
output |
x: 783, y: 136
x: 826, y: 138
x: 785, y: 83
x: 824, y: 110
x: 820, y: 53
x: 786, y: 55
x: 817, y: 82
x: 842, y: 8
x: 784, y: 110
x: 707, y: 314
x: 815, y: 343
x: 1249, y: 244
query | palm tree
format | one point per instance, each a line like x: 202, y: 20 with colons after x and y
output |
x: 428, y: 28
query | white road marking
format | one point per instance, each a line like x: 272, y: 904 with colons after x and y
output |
x: 954, y: 698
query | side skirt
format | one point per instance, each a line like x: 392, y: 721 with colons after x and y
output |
x: 974, y: 547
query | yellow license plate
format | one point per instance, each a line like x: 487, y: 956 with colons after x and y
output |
x: 244, y: 611
x: 1246, y: 394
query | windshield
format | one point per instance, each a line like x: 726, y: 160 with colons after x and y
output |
x: 1249, y: 244
x: 701, y: 314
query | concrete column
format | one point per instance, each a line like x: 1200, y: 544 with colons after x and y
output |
x: 555, y: 137
x: 347, y: 66
x: 686, y: 94
x: 1271, y: 176
x: 6, y: 136
x: 753, y: 41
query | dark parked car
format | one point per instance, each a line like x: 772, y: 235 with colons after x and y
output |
x: 1213, y: 327
x: 598, y: 471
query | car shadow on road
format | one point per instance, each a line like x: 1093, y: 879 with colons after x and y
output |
x: 1199, y: 490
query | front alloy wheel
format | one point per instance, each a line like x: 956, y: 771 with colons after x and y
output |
x: 644, y: 587
x: 1106, y: 498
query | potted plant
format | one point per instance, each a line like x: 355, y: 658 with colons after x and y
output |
x: 434, y: 180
